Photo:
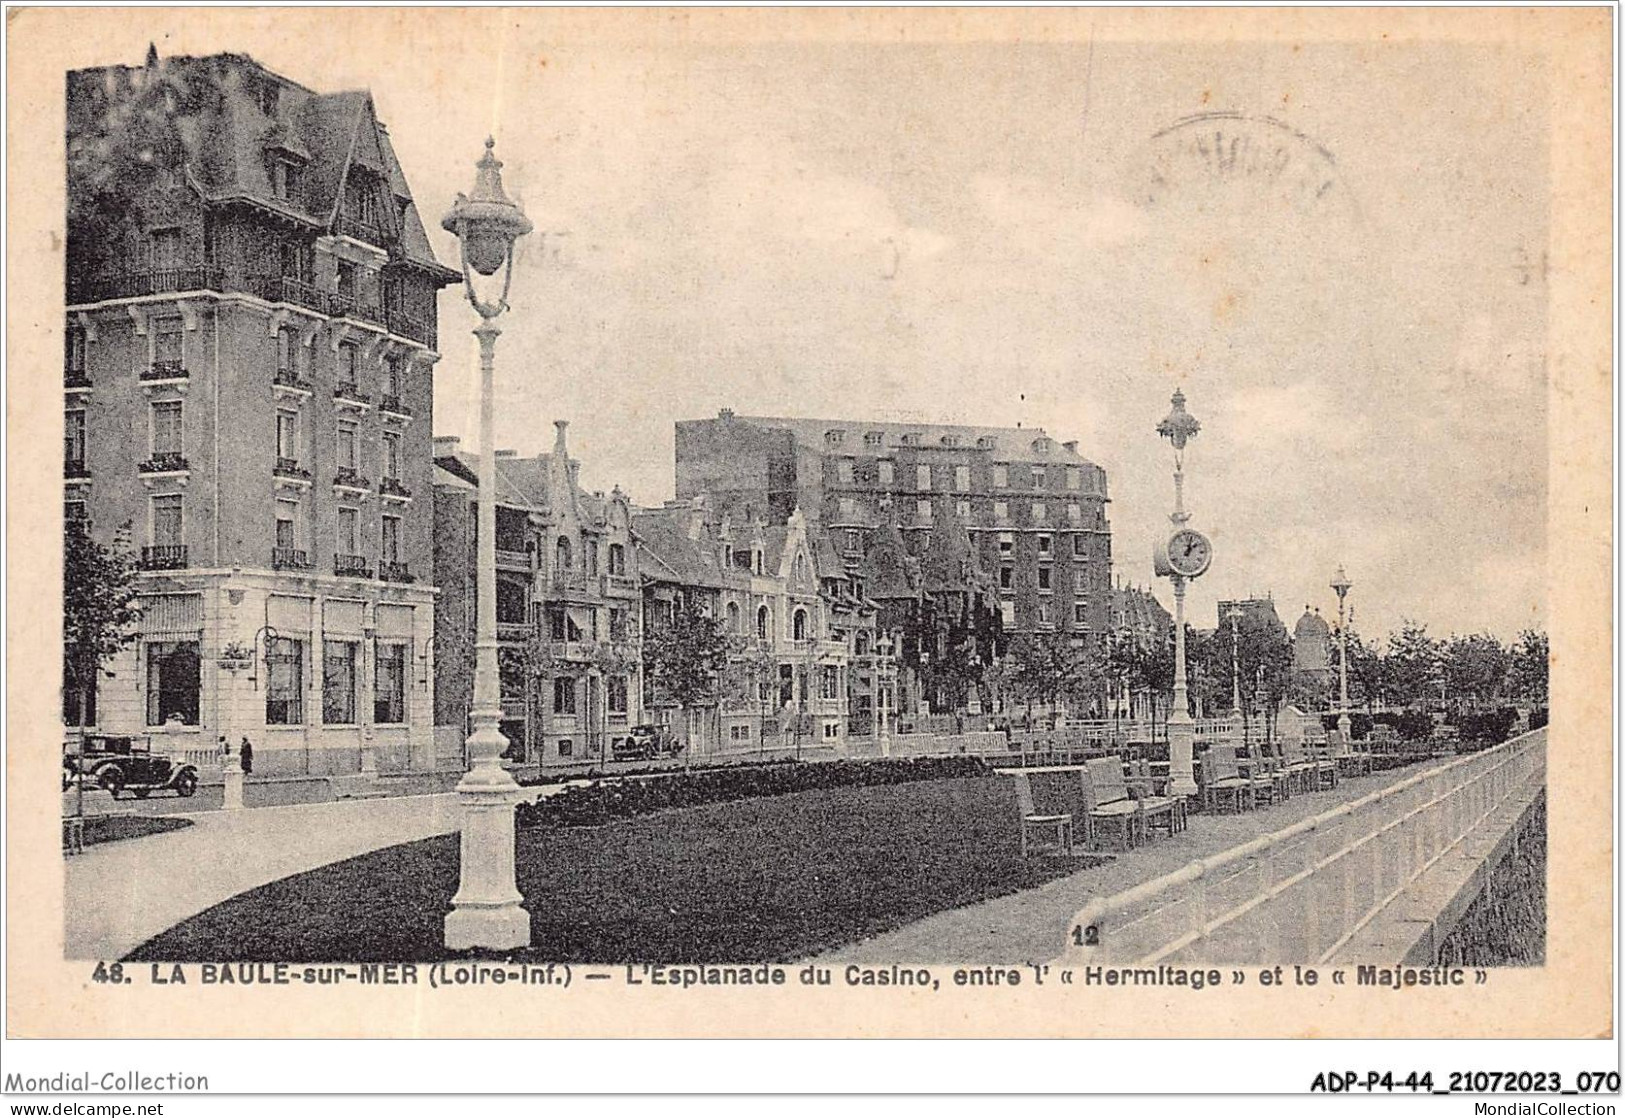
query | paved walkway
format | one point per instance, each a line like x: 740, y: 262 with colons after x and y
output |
x: 1031, y: 926
x: 121, y: 894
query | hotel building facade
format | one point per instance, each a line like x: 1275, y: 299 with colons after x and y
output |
x: 250, y: 339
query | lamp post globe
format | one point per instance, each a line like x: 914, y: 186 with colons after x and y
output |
x: 486, y: 911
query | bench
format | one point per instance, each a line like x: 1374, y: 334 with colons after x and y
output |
x: 1222, y: 779
x: 1043, y: 812
x: 1307, y: 773
x: 1109, y: 799
x: 1151, y: 791
x: 1270, y: 780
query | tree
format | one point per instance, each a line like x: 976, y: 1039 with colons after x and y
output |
x: 745, y: 683
x: 1529, y: 667
x: 1367, y: 681
x: 100, y: 610
x: 949, y: 644
x: 1475, y: 668
x: 1047, y: 668
x: 683, y: 660
x: 1411, y: 665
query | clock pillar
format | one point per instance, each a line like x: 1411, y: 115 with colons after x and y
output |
x: 1181, y: 731
x: 1179, y: 427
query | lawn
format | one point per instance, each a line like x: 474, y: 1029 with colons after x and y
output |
x: 761, y: 880
x: 117, y: 828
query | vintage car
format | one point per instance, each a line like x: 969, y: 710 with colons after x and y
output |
x: 118, y: 763
x: 645, y: 743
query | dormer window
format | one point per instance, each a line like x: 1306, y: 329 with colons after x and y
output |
x: 1041, y: 446
x: 835, y: 436
x: 360, y: 199
x: 284, y: 178
x: 950, y: 440
x: 911, y: 439
x: 987, y: 442
x: 874, y: 438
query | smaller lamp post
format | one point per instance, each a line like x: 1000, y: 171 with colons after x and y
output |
x: 486, y: 912
x: 883, y: 686
x: 1341, y: 584
x: 1233, y: 615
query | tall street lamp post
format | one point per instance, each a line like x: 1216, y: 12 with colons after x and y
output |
x: 486, y: 911
x: 1341, y: 584
x: 1233, y: 615
x: 1183, y: 556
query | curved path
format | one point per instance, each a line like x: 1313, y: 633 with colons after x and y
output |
x: 121, y: 894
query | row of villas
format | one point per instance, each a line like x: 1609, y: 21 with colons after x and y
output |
x: 583, y: 577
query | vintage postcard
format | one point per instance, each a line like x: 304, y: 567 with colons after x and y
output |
x: 810, y: 523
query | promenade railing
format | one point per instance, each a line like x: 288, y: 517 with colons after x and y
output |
x: 1301, y: 893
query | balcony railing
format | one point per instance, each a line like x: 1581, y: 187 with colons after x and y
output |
x: 394, y: 487
x: 132, y: 285
x: 286, y: 289
x: 349, y: 479
x: 72, y: 469
x: 290, y: 559
x: 346, y: 390
x: 620, y: 584
x: 273, y: 289
x: 166, y: 462
x: 348, y: 306
x: 511, y: 560
x: 395, y: 572
x: 369, y: 232
x: 290, y: 378
x: 290, y: 468
x: 394, y: 406
x: 351, y: 566
x: 164, y: 557
x: 419, y: 330
x: 571, y: 582
x: 165, y: 370
x: 75, y: 378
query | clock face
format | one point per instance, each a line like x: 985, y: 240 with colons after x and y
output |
x: 1189, y: 552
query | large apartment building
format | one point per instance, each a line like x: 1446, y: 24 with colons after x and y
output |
x: 250, y: 338
x: 1034, y: 508
x: 569, y: 605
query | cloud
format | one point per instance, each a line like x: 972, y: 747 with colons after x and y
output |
x: 758, y: 193
x: 1039, y: 217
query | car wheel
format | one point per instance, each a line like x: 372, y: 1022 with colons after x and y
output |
x: 186, y: 783
x: 111, y: 780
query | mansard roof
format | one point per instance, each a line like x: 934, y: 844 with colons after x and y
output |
x: 226, y: 133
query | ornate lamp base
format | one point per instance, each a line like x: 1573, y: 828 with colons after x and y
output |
x: 486, y: 912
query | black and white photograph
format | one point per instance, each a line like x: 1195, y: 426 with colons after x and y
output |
x: 817, y: 501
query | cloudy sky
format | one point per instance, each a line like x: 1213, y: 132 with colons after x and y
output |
x: 1011, y: 234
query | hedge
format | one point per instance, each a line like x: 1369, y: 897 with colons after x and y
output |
x: 604, y: 801
x: 1490, y: 727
